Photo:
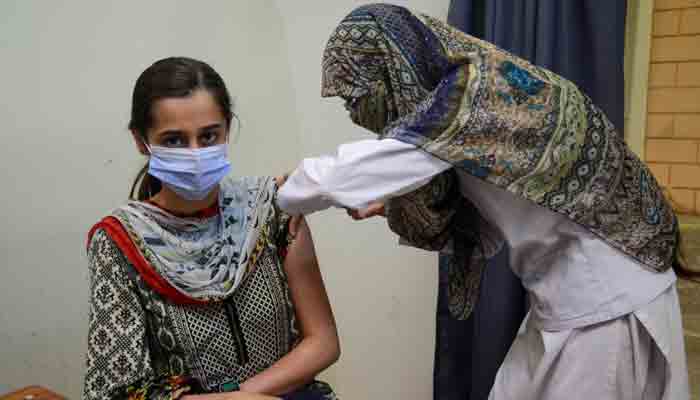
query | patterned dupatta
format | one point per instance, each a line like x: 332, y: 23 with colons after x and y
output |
x: 196, y: 260
x: 510, y: 123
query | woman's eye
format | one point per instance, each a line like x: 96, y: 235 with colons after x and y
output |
x: 173, y: 142
x: 209, y: 138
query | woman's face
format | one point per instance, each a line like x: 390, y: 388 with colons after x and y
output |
x: 371, y: 110
x: 193, y: 122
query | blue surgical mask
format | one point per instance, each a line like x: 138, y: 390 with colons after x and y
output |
x: 191, y: 173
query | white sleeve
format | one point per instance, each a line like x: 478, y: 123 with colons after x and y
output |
x: 361, y: 172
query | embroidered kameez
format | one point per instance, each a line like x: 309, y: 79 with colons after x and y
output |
x: 148, y: 339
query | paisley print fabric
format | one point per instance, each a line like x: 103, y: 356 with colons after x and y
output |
x: 503, y: 120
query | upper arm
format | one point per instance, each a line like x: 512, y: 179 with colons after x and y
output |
x: 306, y: 286
x: 360, y: 173
x: 381, y: 168
x: 375, y: 170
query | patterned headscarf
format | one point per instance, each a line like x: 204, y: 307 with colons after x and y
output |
x: 501, y: 119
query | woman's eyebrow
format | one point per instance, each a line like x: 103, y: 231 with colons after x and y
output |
x: 170, y: 132
x: 211, y: 127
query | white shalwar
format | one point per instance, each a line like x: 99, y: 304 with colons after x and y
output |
x: 601, y: 326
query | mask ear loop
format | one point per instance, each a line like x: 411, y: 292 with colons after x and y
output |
x: 237, y: 136
x: 143, y: 141
x: 238, y: 131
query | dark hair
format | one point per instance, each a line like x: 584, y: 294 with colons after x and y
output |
x: 170, y: 77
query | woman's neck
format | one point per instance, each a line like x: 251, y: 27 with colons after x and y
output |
x: 170, y: 201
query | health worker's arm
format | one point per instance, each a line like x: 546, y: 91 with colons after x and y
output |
x: 361, y: 173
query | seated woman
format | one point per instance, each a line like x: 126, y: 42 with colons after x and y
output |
x: 197, y: 289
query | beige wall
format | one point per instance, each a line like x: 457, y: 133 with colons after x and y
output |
x: 673, y: 123
x: 68, y: 68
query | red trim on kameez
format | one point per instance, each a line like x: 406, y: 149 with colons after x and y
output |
x: 121, y: 238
